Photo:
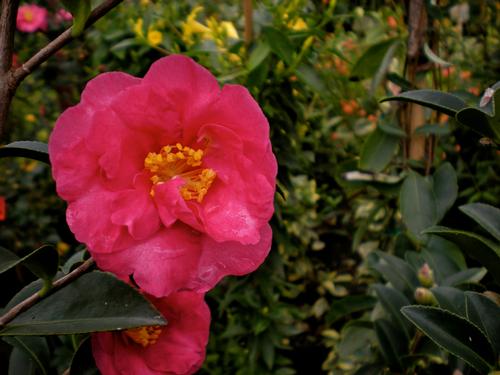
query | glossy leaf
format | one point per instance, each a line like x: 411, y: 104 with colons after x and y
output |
x: 43, y: 262
x: 279, y: 43
x: 441, y: 101
x: 35, y: 349
x: 436, y: 129
x: 26, y: 149
x: 391, y: 129
x: 418, y: 203
x: 392, y: 301
x: 21, y: 363
x: 454, y: 333
x: 80, y: 9
x: 310, y: 76
x: 368, y: 64
x: 435, y: 58
x: 258, y: 55
x: 377, y: 151
x: 392, y: 342
x: 397, y: 272
x: 445, y: 187
x: 348, y: 305
x: 485, y: 215
x: 477, y: 120
x: 474, y: 245
x: 83, y: 362
x: 450, y: 299
x: 470, y: 275
x: 485, y: 314
x: 96, y: 301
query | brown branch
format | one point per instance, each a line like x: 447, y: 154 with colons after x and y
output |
x: 33, y: 299
x: 247, y: 10
x: 7, y: 29
x: 10, y: 80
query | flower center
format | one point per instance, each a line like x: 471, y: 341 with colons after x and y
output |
x: 28, y: 15
x: 181, y: 161
x: 144, y: 336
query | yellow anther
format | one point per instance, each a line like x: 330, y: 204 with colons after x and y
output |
x: 144, y: 336
x: 181, y: 161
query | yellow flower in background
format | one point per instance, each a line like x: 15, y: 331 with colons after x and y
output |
x: 62, y: 248
x: 138, y: 27
x: 30, y: 117
x: 298, y: 25
x: 154, y: 37
x: 191, y: 26
x: 145, y: 2
x: 229, y: 29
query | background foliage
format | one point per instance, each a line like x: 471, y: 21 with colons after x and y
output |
x: 351, y: 205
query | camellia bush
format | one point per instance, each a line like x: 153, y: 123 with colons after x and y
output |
x: 249, y: 187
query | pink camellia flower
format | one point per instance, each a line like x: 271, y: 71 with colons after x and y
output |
x: 168, y: 178
x: 63, y: 15
x: 176, y: 349
x: 31, y: 17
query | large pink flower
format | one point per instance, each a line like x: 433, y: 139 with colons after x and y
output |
x: 31, y: 17
x: 176, y: 349
x: 168, y: 178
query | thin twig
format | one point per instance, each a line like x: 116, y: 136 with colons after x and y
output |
x: 9, y: 79
x: 30, y: 301
x: 63, y: 39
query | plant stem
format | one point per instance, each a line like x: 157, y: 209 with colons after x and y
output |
x: 10, y: 80
x: 7, y: 29
x: 247, y: 10
x: 34, y: 298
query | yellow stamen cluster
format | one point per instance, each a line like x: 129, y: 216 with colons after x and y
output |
x: 144, y: 336
x: 181, y: 161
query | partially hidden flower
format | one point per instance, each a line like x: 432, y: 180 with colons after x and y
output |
x: 62, y: 15
x: 175, y: 349
x: 168, y: 178
x: 3, y: 209
x: 31, y: 17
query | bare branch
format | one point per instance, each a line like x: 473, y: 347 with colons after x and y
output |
x: 30, y: 301
x: 247, y: 10
x: 10, y: 80
x: 63, y: 39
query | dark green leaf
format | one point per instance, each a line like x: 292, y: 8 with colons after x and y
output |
x: 377, y: 151
x: 485, y: 215
x: 400, y: 81
x: 80, y: 9
x: 392, y: 301
x: 8, y: 260
x: 436, y: 129
x: 453, y: 333
x: 477, y: 120
x: 96, y: 301
x: 43, y: 262
x: 485, y: 314
x: 21, y: 363
x: 397, y: 272
x: 445, y: 186
x: 35, y: 349
x: 470, y: 275
x: 391, y: 129
x: 384, y: 65
x: 258, y: 55
x: 392, y: 342
x: 83, y: 362
x: 418, y: 203
x: 26, y: 149
x: 474, y: 245
x: 369, y: 63
x: 279, y: 43
x: 371, y: 369
x: 450, y: 299
x: 348, y: 305
x: 441, y: 101
x: 310, y: 76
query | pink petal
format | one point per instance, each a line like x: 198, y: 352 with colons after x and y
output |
x: 162, y: 264
x: 229, y: 258
x: 101, y: 90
